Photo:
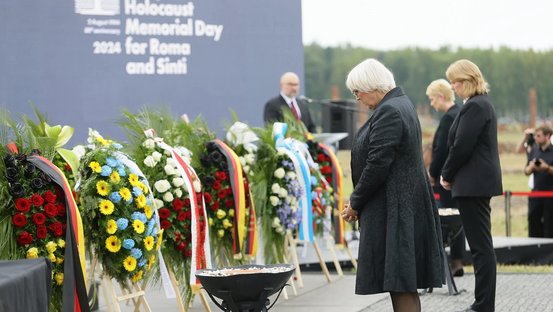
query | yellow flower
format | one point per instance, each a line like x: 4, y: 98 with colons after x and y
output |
x: 231, y: 212
x: 149, y: 243
x: 51, y: 246
x: 106, y: 207
x: 140, y: 201
x: 95, y: 166
x: 159, y: 239
x: 151, y: 261
x: 143, y: 187
x: 148, y: 211
x: 103, y: 141
x: 210, y: 222
x: 227, y: 224
x: 138, y: 226
x: 129, y: 263
x: 52, y: 258
x: 221, y: 214
x: 111, y: 226
x: 102, y: 187
x: 113, y: 244
x: 137, y: 276
x: 59, y: 261
x: 59, y: 278
x: 114, y: 177
x: 32, y: 253
x: 125, y: 193
x: 61, y: 243
x: 133, y: 179
x: 221, y: 233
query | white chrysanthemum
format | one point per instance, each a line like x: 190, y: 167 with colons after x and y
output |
x: 274, y: 200
x: 246, y: 169
x: 169, y: 170
x: 197, y: 186
x: 168, y: 197
x: 178, y: 192
x: 288, y: 199
x: 177, y: 182
x: 171, y: 162
x: 291, y: 174
x: 250, y: 158
x: 276, y: 222
x: 250, y: 147
x: 279, y: 173
x: 158, y: 203
x: 283, y: 193
x: 275, y: 188
x: 150, y: 162
x: 162, y: 186
x: 157, y: 155
x: 242, y: 160
x: 79, y: 150
x: 149, y: 144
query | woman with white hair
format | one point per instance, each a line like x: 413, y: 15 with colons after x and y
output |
x: 400, y: 247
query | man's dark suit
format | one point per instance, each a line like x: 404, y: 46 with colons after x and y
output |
x: 273, y: 112
x: 473, y: 169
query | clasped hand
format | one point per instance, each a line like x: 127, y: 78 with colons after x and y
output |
x: 349, y: 214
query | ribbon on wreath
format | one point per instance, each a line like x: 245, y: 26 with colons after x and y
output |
x: 243, y: 238
x: 338, y: 187
x: 304, y: 177
x: 74, y: 288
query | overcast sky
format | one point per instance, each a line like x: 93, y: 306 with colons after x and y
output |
x: 393, y: 24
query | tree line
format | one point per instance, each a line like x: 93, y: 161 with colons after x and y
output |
x: 510, y: 73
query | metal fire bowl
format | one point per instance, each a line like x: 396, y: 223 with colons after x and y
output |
x: 247, y: 286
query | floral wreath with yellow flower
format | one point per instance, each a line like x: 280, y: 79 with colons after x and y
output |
x: 117, y: 212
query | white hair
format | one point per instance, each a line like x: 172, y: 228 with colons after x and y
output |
x: 370, y: 75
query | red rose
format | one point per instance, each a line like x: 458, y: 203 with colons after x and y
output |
x: 49, y: 197
x: 222, y: 194
x: 24, y: 238
x: 181, y: 216
x: 37, y: 200
x: 229, y: 190
x: 51, y: 210
x: 177, y: 204
x: 208, y: 198
x: 199, y: 198
x: 61, y: 209
x: 229, y: 203
x: 220, y: 175
x: 56, y: 228
x: 164, y: 224
x: 215, y: 206
x: 187, y: 202
x: 19, y: 220
x: 59, y: 192
x: 164, y: 213
x: 216, y: 185
x: 326, y: 170
x: 320, y: 157
x: 39, y: 218
x: 41, y: 232
x: 188, y: 253
x: 181, y: 246
x: 329, y: 179
x: 177, y: 237
x: 22, y: 204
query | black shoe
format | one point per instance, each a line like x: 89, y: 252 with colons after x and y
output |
x: 459, y: 272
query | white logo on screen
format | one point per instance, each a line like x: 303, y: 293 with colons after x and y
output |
x: 97, y: 7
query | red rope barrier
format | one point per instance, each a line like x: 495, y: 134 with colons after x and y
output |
x: 532, y: 194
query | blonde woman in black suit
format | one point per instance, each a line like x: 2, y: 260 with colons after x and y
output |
x: 473, y: 174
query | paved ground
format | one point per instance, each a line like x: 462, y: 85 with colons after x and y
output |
x: 515, y: 293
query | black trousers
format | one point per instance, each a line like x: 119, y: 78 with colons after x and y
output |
x: 475, y: 214
x: 540, y: 217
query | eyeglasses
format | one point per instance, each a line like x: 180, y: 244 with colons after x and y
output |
x: 355, y: 92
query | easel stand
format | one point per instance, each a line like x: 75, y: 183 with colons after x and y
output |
x: 292, y: 242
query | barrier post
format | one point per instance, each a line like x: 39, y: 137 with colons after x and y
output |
x: 508, y: 195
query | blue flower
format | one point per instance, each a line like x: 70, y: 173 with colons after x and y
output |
x: 136, y: 191
x: 106, y: 171
x: 122, y: 224
x: 112, y: 162
x: 117, y: 145
x: 115, y: 197
x: 139, y: 216
x: 313, y: 180
x: 142, y: 262
x: 136, y: 253
x: 128, y: 243
x: 122, y: 171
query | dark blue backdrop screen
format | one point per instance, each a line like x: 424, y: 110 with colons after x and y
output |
x: 83, y: 61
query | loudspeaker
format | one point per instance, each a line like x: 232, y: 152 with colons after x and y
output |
x: 340, y: 116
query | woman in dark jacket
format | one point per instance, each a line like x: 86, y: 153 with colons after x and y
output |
x: 473, y: 174
x: 400, y: 246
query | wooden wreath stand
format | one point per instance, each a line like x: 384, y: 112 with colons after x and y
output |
x: 196, y: 290
x: 292, y: 242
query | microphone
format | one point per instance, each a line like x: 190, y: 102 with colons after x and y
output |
x: 304, y: 98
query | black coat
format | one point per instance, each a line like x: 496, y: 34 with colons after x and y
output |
x: 472, y: 165
x: 273, y: 112
x: 400, y: 247
x: 439, y: 155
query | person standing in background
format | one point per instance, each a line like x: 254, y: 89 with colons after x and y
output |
x: 441, y: 98
x: 473, y: 174
x: 540, y: 159
x: 289, y: 91
x: 400, y: 244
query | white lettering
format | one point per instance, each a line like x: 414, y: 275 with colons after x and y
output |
x: 166, y: 67
x: 135, y: 48
x: 132, y: 7
x: 141, y: 68
x: 162, y: 48
x: 135, y: 27
x: 209, y: 30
